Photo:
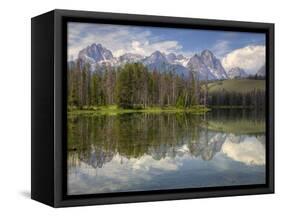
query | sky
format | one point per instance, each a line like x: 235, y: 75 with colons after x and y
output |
x: 234, y: 49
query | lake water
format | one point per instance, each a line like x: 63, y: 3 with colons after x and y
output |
x: 141, y: 151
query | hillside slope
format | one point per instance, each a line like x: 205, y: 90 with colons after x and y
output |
x: 240, y: 86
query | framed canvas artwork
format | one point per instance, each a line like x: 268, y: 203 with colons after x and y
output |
x: 130, y: 108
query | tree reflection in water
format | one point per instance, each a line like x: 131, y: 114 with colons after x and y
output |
x: 95, y: 140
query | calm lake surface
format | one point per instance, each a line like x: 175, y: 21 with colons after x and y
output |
x: 141, y: 151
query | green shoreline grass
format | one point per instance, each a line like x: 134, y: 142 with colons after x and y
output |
x: 114, y: 110
x: 231, y: 107
x: 236, y: 85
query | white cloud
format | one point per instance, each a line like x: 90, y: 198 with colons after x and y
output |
x: 250, y: 151
x: 122, y: 39
x: 250, y: 58
x: 116, y: 175
x: 119, y: 39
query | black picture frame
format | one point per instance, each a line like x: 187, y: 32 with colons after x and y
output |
x: 48, y: 147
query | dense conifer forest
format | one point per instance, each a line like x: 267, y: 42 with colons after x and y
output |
x: 133, y: 86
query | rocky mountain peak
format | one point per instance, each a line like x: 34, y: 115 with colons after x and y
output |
x: 96, y: 52
x: 156, y: 58
x: 205, y: 64
x: 171, y: 57
x: 261, y: 71
x: 236, y: 72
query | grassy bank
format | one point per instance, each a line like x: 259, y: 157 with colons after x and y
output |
x: 236, y: 85
x: 115, y: 110
x: 231, y: 107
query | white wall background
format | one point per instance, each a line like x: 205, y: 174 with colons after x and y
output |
x: 15, y: 106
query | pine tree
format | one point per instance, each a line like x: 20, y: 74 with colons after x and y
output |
x: 124, y: 87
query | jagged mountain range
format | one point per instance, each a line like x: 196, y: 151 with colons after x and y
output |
x: 206, y: 64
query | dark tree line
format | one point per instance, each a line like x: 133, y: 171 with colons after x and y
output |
x: 256, y: 77
x: 134, y: 86
x: 130, y: 86
x: 255, y: 98
x: 101, y: 137
x: 96, y: 139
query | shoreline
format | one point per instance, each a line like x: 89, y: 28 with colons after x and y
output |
x: 231, y: 107
x: 114, y: 110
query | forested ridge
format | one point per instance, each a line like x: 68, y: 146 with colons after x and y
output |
x: 133, y: 86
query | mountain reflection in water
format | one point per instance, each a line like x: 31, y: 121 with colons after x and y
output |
x: 138, y: 152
